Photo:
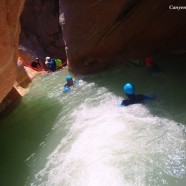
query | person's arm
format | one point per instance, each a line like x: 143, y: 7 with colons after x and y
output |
x: 75, y: 81
x: 148, y: 97
x: 124, y: 103
x: 66, y: 88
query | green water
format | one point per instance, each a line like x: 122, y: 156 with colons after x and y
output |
x: 84, y: 138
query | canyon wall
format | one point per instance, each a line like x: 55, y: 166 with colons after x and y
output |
x: 9, y: 37
x: 40, y: 29
x: 97, y: 33
x: 40, y: 36
x: 100, y: 33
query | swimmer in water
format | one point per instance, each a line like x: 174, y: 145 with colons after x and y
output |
x: 132, y: 98
x: 151, y: 66
x: 69, y: 84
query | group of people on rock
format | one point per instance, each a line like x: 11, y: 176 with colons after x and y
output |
x: 49, y: 65
x: 53, y: 64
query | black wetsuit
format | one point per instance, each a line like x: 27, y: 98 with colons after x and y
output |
x: 133, y: 99
x: 34, y: 64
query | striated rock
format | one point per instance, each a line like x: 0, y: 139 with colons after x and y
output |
x: 100, y: 33
x: 9, y: 37
x: 41, y: 32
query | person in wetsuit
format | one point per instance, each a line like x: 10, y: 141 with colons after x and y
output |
x: 35, y: 64
x: 132, y: 98
x: 50, y: 64
x: 69, y: 84
x: 47, y: 61
x: 150, y: 64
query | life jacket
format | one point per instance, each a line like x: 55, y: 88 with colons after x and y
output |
x: 52, y: 65
x: 58, y: 63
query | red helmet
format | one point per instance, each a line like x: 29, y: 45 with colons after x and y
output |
x: 149, y: 61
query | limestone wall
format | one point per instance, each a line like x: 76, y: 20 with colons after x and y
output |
x: 9, y: 39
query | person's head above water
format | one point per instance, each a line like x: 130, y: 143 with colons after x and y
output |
x: 69, y: 80
x: 129, y: 88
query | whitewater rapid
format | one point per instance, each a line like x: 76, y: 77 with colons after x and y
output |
x: 83, y: 138
x: 108, y: 145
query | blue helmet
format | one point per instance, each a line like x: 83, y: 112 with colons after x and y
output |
x: 129, y: 88
x: 68, y: 78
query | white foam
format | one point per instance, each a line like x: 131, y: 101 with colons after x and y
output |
x: 109, y: 145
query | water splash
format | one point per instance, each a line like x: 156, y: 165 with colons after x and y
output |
x: 107, y: 145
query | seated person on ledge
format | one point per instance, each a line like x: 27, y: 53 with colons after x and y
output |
x: 129, y: 90
x: 35, y: 64
x: 50, y: 64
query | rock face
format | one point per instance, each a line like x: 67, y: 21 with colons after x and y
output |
x: 41, y: 32
x: 9, y: 37
x: 22, y: 79
x: 98, y: 33
x: 9, y: 103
